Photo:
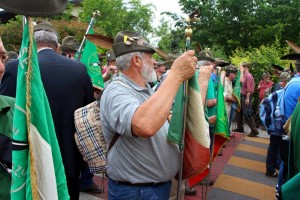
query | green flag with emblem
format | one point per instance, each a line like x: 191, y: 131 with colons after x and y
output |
x: 38, y: 171
x: 91, y: 60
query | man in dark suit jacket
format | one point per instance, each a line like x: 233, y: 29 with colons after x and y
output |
x: 68, y: 87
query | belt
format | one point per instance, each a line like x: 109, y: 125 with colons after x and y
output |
x: 138, y: 184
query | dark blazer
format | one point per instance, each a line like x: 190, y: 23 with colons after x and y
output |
x: 68, y: 87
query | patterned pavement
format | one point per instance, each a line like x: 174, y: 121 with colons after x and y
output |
x: 238, y: 173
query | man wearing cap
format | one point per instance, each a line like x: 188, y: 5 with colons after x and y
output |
x: 160, y: 69
x: 284, y: 78
x: 68, y: 87
x: 171, y: 57
x: 205, y: 58
x: 69, y: 47
x: 230, y: 75
x: 247, y: 95
x: 141, y: 162
x: 110, y: 68
x: 276, y: 152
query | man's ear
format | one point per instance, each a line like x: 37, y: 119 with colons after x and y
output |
x: 136, y: 60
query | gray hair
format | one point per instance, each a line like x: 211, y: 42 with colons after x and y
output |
x: 46, y: 39
x: 123, y: 61
x: 203, y: 62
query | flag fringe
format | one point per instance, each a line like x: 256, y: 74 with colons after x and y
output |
x: 28, y: 113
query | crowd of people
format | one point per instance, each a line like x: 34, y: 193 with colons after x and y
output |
x: 136, y: 105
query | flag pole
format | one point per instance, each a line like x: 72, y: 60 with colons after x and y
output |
x: 92, y: 21
x: 188, y: 34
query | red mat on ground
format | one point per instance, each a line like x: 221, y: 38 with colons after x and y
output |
x: 218, y: 144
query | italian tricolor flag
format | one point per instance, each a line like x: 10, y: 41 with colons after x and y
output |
x: 196, y: 141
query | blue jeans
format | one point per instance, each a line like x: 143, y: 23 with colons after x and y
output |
x: 273, y: 155
x: 125, y: 192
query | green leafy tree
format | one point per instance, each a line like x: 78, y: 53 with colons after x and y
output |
x: 262, y: 59
x: 11, y: 34
x: 244, y: 24
x: 117, y: 15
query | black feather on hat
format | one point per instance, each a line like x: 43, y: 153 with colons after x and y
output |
x: 292, y: 56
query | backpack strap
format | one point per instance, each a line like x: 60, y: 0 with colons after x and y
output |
x: 113, y: 141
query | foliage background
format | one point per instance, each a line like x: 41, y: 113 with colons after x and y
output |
x: 235, y: 30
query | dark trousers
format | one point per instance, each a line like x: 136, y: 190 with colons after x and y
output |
x: 284, y: 155
x: 73, y: 187
x: 246, y: 113
x: 86, y: 177
x: 212, y: 138
x: 273, y: 155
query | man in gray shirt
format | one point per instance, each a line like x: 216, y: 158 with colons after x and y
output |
x: 141, y: 163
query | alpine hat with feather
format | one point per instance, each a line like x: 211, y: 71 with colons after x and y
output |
x: 69, y: 44
x: 130, y: 41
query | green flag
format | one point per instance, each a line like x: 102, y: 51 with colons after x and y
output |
x: 221, y: 127
x: 237, y: 90
x: 38, y: 171
x: 176, y: 125
x: 91, y: 60
x: 290, y: 190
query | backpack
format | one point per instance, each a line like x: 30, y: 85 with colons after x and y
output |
x: 89, y: 136
x: 271, y: 105
x: 271, y: 111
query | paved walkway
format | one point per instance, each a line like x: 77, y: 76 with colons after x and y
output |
x: 238, y: 173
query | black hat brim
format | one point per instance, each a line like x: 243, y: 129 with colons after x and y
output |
x: 65, y: 48
x: 34, y: 8
x: 293, y: 56
x: 206, y: 58
x: 221, y: 63
x: 278, y: 67
x: 122, y: 48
